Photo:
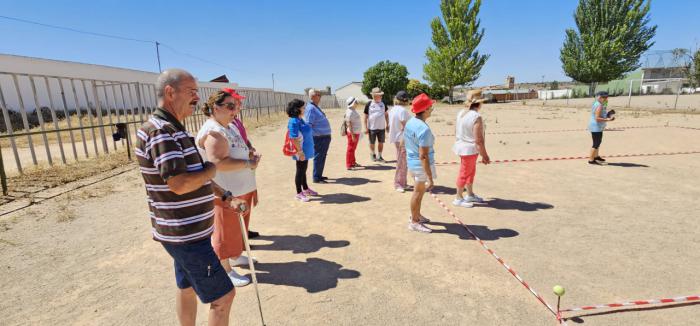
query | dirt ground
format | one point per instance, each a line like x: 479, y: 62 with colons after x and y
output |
x: 624, y: 231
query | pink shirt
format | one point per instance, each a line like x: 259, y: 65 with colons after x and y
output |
x: 241, y: 129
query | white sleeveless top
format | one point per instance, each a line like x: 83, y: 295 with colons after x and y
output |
x: 238, y: 182
x: 465, y: 143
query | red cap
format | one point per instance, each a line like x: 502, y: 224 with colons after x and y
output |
x: 232, y: 92
x: 421, y: 103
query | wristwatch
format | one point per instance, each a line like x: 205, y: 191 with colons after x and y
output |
x: 226, y: 195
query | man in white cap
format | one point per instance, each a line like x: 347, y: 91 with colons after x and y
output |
x: 376, y: 123
x: 316, y: 118
x: 354, y: 128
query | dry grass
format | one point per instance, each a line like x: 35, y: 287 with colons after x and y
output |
x: 52, y: 137
x: 45, y: 176
x: 52, y: 176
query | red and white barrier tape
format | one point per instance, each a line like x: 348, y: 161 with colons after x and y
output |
x: 559, y: 130
x: 575, y: 157
x: 636, y: 303
x: 499, y: 259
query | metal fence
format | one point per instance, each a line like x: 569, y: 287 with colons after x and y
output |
x: 58, y: 120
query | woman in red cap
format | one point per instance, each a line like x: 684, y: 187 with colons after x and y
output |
x: 222, y: 144
x: 420, y: 158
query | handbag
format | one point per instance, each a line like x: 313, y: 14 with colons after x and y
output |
x: 344, y: 128
x: 288, y: 149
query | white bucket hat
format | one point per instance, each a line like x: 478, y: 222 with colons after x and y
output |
x: 350, y: 101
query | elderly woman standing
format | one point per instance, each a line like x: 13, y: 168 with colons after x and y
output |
x: 302, y: 136
x: 354, y: 128
x: 420, y: 156
x: 398, y: 117
x: 223, y: 145
x: 238, y: 124
x: 470, y: 143
x: 599, y: 118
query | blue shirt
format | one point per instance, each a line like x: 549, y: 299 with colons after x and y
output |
x: 417, y: 134
x: 593, y: 125
x: 317, y: 120
x: 297, y: 127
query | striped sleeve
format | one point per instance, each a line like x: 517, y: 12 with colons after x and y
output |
x: 166, y: 152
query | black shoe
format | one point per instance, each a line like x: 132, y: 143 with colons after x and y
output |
x: 599, y: 159
x: 594, y: 162
x: 381, y: 159
x: 324, y: 178
x: 320, y: 181
x: 253, y: 234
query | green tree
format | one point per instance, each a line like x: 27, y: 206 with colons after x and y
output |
x: 455, y: 60
x: 695, y: 74
x: 690, y: 64
x: 391, y: 77
x: 554, y: 85
x: 438, y: 92
x: 611, y: 35
x: 415, y: 87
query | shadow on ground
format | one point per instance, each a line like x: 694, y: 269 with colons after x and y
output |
x: 481, y: 231
x: 628, y: 165
x: 315, y: 275
x: 579, y: 319
x: 298, y: 244
x: 353, y: 181
x: 509, y: 204
x: 378, y: 167
x: 340, y: 198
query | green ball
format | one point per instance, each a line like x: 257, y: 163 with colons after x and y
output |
x: 559, y: 290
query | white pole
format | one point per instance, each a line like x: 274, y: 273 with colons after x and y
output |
x: 629, y: 98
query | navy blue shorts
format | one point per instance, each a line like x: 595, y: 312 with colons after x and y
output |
x: 197, y: 266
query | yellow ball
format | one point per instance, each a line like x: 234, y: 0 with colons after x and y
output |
x: 559, y: 290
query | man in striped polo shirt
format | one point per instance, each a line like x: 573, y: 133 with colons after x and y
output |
x: 180, y: 198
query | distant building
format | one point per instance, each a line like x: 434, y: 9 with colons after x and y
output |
x: 326, y: 91
x: 505, y: 95
x: 510, y: 82
x: 663, y: 72
x: 353, y: 89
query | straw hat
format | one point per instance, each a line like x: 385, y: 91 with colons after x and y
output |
x: 474, y: 96
x: 377, y: 91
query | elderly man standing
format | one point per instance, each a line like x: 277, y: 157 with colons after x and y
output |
x: 376, y: 123
x: 180, y: 197
x: 314, y: 116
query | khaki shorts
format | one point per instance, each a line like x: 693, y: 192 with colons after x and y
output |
x: 421, y: 176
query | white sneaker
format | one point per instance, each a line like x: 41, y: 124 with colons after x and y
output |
x: 238, y: 280
x: 418, y: 227
x: 474, y: 199
x: 462, y: 203
x: 242, y: 261
x: 421, y: 219
x: 401, y: 190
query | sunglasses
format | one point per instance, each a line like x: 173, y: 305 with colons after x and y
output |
x: 229, y: 106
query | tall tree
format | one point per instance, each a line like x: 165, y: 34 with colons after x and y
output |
x: 455, y: 60
x: 611, y: 35
x: 391, y: 77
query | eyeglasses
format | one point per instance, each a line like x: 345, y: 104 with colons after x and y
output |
x: 229, y: 106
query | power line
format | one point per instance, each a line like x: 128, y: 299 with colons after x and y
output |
x: 178, y: 52
x: 76, y: 30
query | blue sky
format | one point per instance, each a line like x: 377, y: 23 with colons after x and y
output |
x: 306, y: 43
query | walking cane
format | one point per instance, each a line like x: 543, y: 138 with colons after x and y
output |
x: 242, y: 208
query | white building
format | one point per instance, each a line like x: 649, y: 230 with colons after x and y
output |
x: 353, y: 89
x: 64, y: 70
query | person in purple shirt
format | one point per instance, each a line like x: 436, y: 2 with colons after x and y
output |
x: 321, y: 128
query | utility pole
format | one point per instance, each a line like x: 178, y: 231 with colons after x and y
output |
x: 158, y: 55
x: 273, y: 82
